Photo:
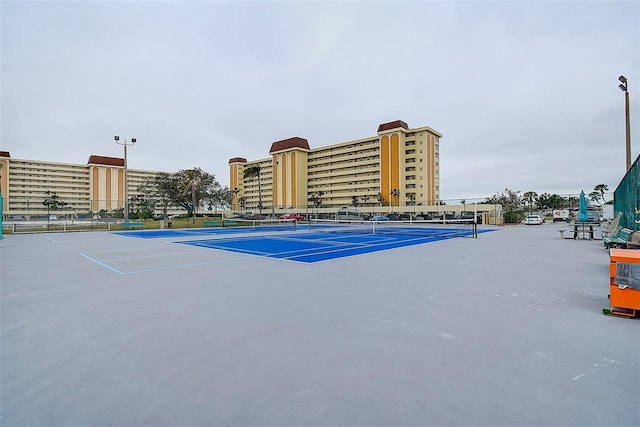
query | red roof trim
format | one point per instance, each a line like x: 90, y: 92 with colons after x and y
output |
x: 108, y: 161
x: 289, y: 143
x: 393, y: 125
x: 4, y: 154
x: 238, y: 160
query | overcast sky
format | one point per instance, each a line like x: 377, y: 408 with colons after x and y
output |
x: 524, y: 93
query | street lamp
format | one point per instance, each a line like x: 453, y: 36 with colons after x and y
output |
x: 625, y: 88
x: 126, y: 183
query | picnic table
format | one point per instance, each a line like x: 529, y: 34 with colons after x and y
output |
x: 583, y: 229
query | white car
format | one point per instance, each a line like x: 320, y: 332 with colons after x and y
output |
x: 533, y: 220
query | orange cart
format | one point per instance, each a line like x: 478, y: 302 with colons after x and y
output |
x: 624, y: 297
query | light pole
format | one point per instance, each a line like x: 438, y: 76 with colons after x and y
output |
x: 126, y: 183
x: 625, y: 88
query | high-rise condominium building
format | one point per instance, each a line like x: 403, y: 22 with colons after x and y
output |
x: 98, y: 185
x: 398, y: 167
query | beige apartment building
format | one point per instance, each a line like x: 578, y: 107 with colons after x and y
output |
x: 398, y: 168
x: 98, y: 185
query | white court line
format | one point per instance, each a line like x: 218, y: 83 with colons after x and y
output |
x: 422, y: 241
x: 185, y: 265
x: 101, y: 263
x: 139, y: 248
x: 152, y: 256
x: 202, y: 250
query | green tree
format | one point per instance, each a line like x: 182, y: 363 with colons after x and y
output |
x: 218, y: 197
x: 51, y: 202
x: 529, y: 199
x: 551, y: 201
x: 143, y: 206
x: 597, y: 195
x: 511, y: 205
x: 316, y: 200
x: 161, y: 189
x: 412, y: 201
x: 354, y: 201
x: 192, y: 188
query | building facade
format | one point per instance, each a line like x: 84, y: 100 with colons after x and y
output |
x: 84, y: 189
x: 397, y: 168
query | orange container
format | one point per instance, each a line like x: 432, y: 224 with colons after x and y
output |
x: 628, y: 298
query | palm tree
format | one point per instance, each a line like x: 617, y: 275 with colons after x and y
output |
x: 254, y: 171
x: 395, y: 193
x: 50, y: 202
x: 190, y: 185
x: 530, y: 197
x: 601, y: 188
x: 364, y: 200
x: 412, y: 200
x: 316, y: 199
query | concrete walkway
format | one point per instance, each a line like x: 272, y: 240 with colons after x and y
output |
x: 505, y: 330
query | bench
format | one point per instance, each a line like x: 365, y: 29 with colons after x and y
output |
x: 611, y: 233
x: 226, y: 222
x: 618, y: 240
x: 132, y: 225
x: 212, y: 223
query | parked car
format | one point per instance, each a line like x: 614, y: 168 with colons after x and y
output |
x: 255, y: 217
x: 292, y: 216
x: 379, y: 218
x: 533, y: 220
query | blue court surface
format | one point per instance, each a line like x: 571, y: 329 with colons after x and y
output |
x: 192, y: 232
x: 324, y: 244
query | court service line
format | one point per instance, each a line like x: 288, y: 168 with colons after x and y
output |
x: 153, y: 256
x: 184, y: 265
x: 102, y: 264
x: 139, y: 248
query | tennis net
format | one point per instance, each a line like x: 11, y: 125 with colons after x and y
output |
x: 424, y: 228
x: 261, y: 224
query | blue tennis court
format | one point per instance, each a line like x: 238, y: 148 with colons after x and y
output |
x: 315, y: 246
x: 306, y: 243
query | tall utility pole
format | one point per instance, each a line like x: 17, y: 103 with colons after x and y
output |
x: 126, y: 182
x: 624, y: 86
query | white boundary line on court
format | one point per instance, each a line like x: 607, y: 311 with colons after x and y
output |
x: 171, y: 267
x: 101, y: 263
x: 335, y: 246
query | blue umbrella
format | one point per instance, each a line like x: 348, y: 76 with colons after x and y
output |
x: 583, y: 216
